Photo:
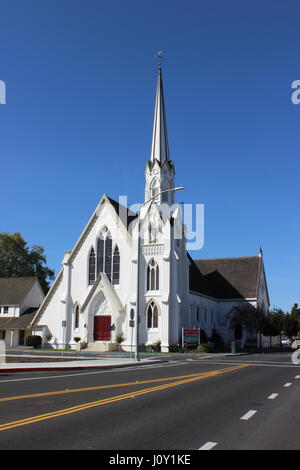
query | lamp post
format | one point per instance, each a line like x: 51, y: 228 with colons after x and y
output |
x: 136, y: 353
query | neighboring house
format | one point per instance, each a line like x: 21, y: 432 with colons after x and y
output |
x: 103, y: 280
x: 20, y: 298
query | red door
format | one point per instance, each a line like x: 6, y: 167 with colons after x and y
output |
x: 102, y: 325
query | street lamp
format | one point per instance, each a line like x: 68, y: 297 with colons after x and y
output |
x: 178, y: 188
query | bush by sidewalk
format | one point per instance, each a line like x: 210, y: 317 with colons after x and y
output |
x: 33, y: 340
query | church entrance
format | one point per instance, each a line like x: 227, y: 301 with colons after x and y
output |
x: 102, y: 324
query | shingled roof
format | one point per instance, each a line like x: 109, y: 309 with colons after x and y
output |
x: 18, y: 323
x: 13, y: 290
x: 226, y: 278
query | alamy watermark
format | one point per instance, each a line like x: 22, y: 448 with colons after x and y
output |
x: 2, y: 92
x: 186, y: 222
x: 296, y: 357
x: 295, y: 97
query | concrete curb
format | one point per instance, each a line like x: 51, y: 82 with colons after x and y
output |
x: 76, y: 367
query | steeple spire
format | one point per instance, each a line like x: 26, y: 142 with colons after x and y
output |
x: 160, y: 170
x: 160, y: 146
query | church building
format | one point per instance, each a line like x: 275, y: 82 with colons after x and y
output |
x: 134, y: 265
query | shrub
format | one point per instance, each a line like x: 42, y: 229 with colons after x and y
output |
x: 203, y: 348
x: 33, y: 340
x: 120, y: 338
x: 203, y: 336
x: 175, y: 347
x: 155, y: 347
x: 217, y: 341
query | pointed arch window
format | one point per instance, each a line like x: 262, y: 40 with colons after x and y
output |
x: 154, y: 189
x: 92, y: 266
x: 152, y: 315
x: 100, y: 255
x: 153, y: 276
x: 76, y: 319
x: 116, y: 266
x: 104, y: 253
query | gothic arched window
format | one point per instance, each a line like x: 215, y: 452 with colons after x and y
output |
x: 153, y: 276
x: 116, y: 266
x: 92, y: 266
x: 104, y: 253
x: 76, y: 319
x: 154, y: 189
x: 100, y: 255
x: 152, y: 315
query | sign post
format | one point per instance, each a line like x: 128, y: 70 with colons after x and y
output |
x: 131, y: 325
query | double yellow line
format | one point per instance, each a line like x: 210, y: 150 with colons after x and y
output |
x: 106, y: 401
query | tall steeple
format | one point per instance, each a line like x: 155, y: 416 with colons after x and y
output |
x: 160, y: 170
x: 160, y: 146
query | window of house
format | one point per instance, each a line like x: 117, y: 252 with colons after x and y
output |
x: 152, y: 315
x: 5, y: 309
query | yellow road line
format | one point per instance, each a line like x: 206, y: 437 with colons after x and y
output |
x: 99, y: 387
x: 85, y: 406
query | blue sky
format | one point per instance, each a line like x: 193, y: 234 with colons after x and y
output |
x: 81, y: 78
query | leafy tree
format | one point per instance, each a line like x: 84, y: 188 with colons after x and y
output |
x: 295, y: 312
x: 291, y: 325
x: 17, y: 259
x: 251, y: 318
x: 278, y: 317
x: 272, y: 324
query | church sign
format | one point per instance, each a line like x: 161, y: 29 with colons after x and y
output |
x: 190, y: 336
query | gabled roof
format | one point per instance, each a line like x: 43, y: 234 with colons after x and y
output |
x: 18, y: 323
x: 226, y: 278
x: 126, y: 215
x: 13, y: 290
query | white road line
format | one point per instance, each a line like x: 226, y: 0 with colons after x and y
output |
x: 208, y: 446
x: 248, y: 415
x: 262, y: 364
x: 272, y: 396
x: 288, y: 384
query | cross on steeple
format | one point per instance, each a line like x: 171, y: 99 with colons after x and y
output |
x: 159, y: 56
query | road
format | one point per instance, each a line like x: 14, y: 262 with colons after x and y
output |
x: 236, y: 403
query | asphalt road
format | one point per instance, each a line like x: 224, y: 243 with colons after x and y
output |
x: 236, y: 403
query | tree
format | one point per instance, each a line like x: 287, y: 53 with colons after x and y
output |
x: 291, y: 325
x: 17, y: 259
x: 273, y: 323
x: 249, y: 317
x: 295, y: 312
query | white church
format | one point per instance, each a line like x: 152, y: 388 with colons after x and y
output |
x: 113, y: 275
